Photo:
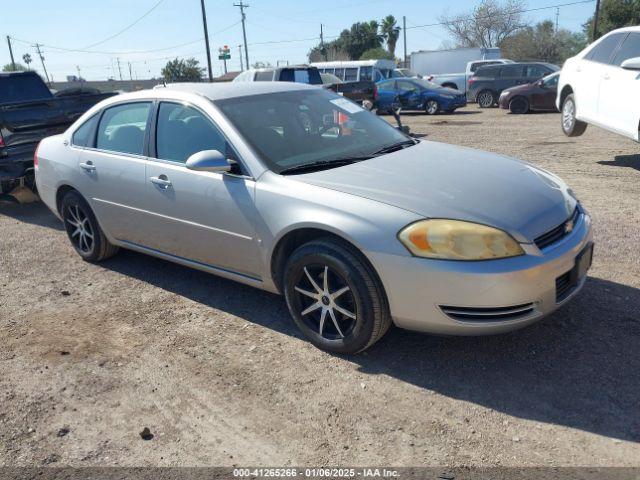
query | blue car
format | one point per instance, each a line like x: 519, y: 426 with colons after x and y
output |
x: 418, y: 94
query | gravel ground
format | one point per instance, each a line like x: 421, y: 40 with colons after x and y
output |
x: 92, y: 354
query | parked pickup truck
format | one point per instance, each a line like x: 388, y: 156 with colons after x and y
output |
x: 458, y: 81
x: 28, y: 113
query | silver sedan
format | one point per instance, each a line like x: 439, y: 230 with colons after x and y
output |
x: 295, y: 190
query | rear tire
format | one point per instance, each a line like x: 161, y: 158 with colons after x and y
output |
x: 519, y: 105
x: 334, y: 298
x: 83, y: 229
x: 571, y: 126
x: 486, y: 99
x: 431, y: 107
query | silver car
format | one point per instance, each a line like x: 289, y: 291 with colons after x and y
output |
x: 295, y: 190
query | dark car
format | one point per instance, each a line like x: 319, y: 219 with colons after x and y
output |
x: 486, y: 85
x: 418, y: 94
x: 537, y: 96
x: 28, y: 113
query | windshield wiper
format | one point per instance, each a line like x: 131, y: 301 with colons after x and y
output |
x: 395, y: 147
x: 324, y: 164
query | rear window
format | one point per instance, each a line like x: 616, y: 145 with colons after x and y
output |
x: 310, y: 76
x: 22, y: 88
x: 476, y: 65
x: 264, y: 76
x: 350, y: 74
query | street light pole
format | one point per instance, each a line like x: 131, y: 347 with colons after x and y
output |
x: 404, y: 34
x: 206, y: 39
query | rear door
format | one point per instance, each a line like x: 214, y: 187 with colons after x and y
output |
x: 510, y: 76
x: 620, y: 89
x: 200, y: 216
x: 112, y: 167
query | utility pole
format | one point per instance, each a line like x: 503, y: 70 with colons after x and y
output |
x: 119, y: 69
x: 240, y: 56
x: 322, y: 50
x: 244, y: 31
x: 130, y: 78
x: 206, y: 40
x: 79, y: 74
x: 595, y: 20
x: 557, y: 18
x: 42, y: 61
x: 13, y: 62
x: 404, y: 33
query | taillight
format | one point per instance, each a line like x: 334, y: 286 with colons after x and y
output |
x: 470, y: 81
x: 1, y: 140
x: 35, y: 156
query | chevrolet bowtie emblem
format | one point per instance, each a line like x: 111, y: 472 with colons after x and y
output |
x: 568, y: 227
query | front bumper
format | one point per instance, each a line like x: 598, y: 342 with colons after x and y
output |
x: 503, y: 101
x: 418, y: 289
x: 452, y: 103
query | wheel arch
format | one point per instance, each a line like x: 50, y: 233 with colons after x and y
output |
x: 298, y: 236
x: 61, y: 192
x: 564, y: 93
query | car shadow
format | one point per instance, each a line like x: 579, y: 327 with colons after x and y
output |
x: 579, y: 368
x: 35, y: 213
x: 629, y: 161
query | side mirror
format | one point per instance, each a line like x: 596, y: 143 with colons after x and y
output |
x: 631, y: 64
x: 540, y: 83
x: 208, y: 161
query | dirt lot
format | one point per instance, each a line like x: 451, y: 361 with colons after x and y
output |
x: 91, y: 354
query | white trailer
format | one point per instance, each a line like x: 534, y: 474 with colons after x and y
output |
x: 451, y: 68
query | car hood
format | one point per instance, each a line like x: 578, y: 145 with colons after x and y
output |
x: 436, y: 180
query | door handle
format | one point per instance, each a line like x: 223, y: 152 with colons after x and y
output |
x: 161, y: 181
x: 88, y: 166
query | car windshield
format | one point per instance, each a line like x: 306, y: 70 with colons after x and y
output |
x: 290, y: 130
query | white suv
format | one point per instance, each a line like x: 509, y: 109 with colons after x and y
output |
x: 601, y: 86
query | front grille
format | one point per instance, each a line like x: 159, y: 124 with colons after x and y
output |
x: 558, y: 233
x: 482, y: 314
x: 564, y: 286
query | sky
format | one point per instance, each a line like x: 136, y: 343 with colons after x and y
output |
x: 277, y: 30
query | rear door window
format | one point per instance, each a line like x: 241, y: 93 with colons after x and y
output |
x: 535, y: 71
x: 603, y: 52
x: 122, y: 128
x: 511, y: 71
x: 350, y: 74
x: 630, y: 48
x: 264, y: 76
x: 85, y: 134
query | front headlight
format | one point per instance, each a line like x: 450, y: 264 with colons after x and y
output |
x: 458, y: 240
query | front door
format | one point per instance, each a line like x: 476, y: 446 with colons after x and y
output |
x: 544, y: 94
x: 200, y: 216
x: 409, y: 94
x: 620, y: 90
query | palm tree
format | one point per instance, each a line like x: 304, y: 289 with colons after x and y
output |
x: 390, y: 32
x: 27, y: 59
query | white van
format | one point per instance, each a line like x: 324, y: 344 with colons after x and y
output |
x: 358, y: 70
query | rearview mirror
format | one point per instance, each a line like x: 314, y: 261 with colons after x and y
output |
x: 208, y: 161
x: 631, y: 64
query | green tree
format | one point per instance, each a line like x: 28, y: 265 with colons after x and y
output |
x: 390, y: 32
x: 614, y: 14
x: 376, y: 54
x: 180, y: 70
x: 351, y: 43
x: 542, y: 43
x: 10, y: 68
x: 27, y: 59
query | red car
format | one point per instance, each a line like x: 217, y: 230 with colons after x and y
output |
x: 539, y: 96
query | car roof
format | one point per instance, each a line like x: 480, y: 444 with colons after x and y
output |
x: 218, y: 91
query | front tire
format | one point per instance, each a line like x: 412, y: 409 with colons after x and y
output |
x: 519, y: 105
x: 432, y: 107
x: 486, y: 99
x: 83, y: 229
x: 334, y: 297
x: 571, y: 126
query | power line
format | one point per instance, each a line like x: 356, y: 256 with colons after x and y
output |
x: 125, y: 28
x: 513, y: 12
